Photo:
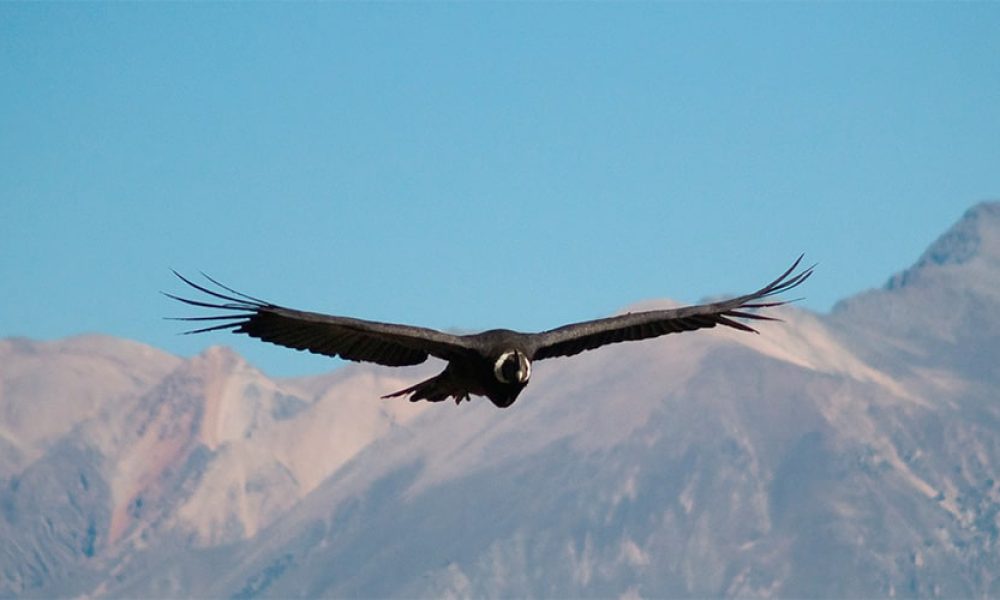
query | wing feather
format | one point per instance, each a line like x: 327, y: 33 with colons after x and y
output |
x: 578, y: 337
x: 359, y: 340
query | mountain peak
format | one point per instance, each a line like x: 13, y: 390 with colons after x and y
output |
x: 975, y: 238
x: 975, y: 234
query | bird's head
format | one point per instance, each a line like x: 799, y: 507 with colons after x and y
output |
x: 512, y: 367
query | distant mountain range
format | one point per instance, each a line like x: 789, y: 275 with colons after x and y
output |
x: 854, y: 454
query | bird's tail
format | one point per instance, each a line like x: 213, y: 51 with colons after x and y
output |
x: 435, y: 389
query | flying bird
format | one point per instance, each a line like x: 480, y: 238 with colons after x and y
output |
x: 495, y: 363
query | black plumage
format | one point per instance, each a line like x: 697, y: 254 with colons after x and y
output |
x: 494, y: 363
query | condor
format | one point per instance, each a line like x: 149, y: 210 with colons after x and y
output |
x: 495, y: 363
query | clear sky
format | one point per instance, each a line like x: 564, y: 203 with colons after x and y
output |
x: 476, y: 165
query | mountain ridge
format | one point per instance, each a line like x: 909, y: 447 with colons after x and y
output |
x: 848, y: 454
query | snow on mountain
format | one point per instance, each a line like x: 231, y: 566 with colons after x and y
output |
x: 850, y: 454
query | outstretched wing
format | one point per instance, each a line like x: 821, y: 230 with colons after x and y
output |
x: 573, y: 339
x: 352, y: 339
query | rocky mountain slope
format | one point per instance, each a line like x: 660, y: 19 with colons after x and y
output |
x: 849, y: 454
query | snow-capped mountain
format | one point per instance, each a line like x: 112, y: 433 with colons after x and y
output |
x: 849, y: 454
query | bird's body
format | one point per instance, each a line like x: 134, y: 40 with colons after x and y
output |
x: 496, y: 366
x: 495, y: 363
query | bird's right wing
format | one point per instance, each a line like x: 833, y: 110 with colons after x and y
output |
x: 359, y: 340
x: 573, y: 339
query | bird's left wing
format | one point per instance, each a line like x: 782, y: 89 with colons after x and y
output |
x: 387, y: 344
x: 573, y: 339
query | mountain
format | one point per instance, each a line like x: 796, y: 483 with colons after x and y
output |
x: 940, y: 315
x: 205, y: 451
x: 850, y: 454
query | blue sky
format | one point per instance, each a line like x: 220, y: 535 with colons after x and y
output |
x: 476, y: 165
